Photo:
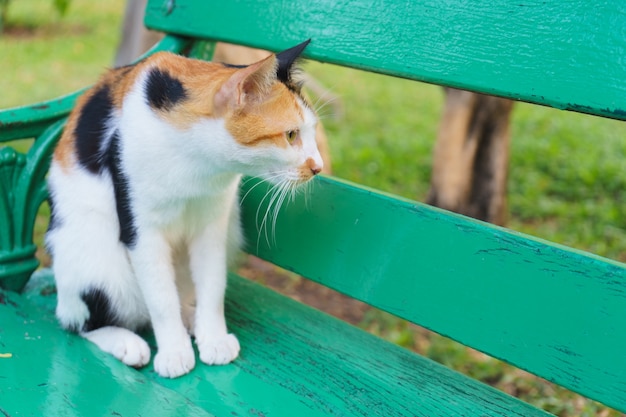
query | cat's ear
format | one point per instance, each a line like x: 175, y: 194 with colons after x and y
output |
x: 286, y: 60
x: 247, y: 84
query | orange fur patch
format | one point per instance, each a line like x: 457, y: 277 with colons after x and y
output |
x: 267, y: 120
x: 65, y: 148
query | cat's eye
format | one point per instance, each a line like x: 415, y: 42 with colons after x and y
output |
x: 292, y: 135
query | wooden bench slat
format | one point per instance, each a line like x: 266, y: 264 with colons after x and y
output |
x: 52, y: 372
x: 547, y: 52
x: 446, y: 272
x: 295, y: 361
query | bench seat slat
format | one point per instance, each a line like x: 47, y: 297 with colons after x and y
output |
x: 295, y: 361
x: 446, y: 272
x: 562, y: 54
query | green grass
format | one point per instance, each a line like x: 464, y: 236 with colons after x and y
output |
x: 44, y: 55
x: 568, y: 179
x: 567, y: 174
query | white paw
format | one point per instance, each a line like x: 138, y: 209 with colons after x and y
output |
x: 133, y: 352
x: 175, y: 361
x: 121, y: 343
x: 220, y: 350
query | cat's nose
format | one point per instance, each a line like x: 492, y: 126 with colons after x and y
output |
x: 314, y: 166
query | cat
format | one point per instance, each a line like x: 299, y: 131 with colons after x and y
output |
x: 144, y: 196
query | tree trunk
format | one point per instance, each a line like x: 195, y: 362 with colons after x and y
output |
x: 471, y: 156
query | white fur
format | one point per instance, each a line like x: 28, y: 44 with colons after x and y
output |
x: 184, y: 191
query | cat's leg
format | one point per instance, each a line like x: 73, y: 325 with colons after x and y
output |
x: 184, y: 286
x: 208, y: 259
x: 95, y: 283
x: 125, y: 345
x: 96, y: 288
x: 105, y: 268
x: 151, y: 257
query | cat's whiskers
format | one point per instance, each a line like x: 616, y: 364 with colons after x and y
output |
x: 288, y: 190
x: 285, y: 189
x: 269, y: 214
x: 324, y: 106
x: 275, y: 192
x: 277, y: 206
x: 258, y: 210
x: 307, y: 190
x: 271, y: 192
x: 326, y: 95
x: 266, y: 179
x: 323, y: 101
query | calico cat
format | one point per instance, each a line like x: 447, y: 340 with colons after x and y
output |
x: 144, y: 190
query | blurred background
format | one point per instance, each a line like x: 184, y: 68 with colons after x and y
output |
x: 566, y: 175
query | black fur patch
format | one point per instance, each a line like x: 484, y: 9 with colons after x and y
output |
x: 125, y: 216
x: 100, y: 312
x: 163, y: 91
x: 91, y: 129
x: 286, y: 60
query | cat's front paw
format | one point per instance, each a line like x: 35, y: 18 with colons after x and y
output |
x: 174, y: 362
x: 220, y: 350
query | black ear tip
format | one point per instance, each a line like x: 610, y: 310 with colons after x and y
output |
x: 286, y: 60
x: 292, y: 53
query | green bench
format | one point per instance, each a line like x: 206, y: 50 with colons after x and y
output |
x: 553, y: 311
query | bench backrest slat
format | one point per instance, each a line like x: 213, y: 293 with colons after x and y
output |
x: 564, y: 54
x: 553, y: 311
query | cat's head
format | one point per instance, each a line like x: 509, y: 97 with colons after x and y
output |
x: 272, y: 123
x: 249, y: 119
